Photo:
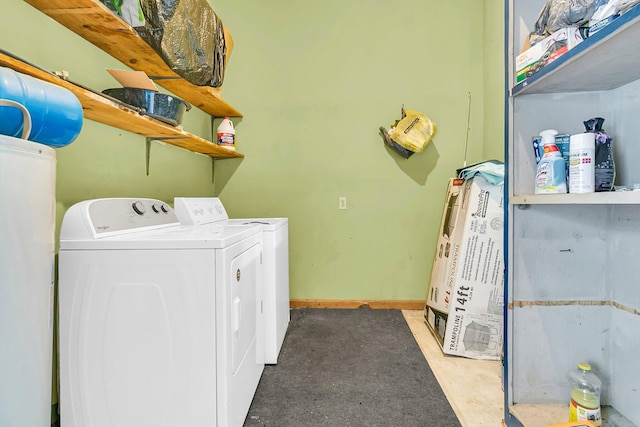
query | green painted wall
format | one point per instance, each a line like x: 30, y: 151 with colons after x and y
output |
x: 314, y: 81
x: 493, y: 79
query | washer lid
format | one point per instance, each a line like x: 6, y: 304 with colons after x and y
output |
x: 268, y: 224
x: 207, y: 210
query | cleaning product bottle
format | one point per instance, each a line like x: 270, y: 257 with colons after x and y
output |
x: 582, y: 147
x: 550, y: 173
x: 585, y: 395
x: 227, y: 134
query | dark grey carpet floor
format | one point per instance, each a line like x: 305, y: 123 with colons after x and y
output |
x: 349, y: 368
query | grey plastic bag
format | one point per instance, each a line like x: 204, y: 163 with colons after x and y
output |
x: 189, y: 37
x: 558, y: 14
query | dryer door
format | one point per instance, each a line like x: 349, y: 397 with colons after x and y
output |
x: 244, y: 305
x: 240, y: 329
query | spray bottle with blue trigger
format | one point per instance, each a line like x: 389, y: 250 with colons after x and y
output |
x: 551, y: 172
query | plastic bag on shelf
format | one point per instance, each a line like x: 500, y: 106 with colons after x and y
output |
x: 608, y: 12
x: 624, y: 5
x: 558, y: 14
x: 605, y: 168
x: 189, y: 37
x: 605, y: 10
x: 129, y: 10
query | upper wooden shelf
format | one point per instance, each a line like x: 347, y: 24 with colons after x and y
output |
x: 98, y: 108
x: 94, y: 22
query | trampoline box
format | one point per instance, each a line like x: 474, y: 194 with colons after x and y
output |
x: 465, y: 297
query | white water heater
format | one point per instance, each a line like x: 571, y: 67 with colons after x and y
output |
x: 27, y: 246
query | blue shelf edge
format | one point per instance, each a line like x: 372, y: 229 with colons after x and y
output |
x: 607, y: 31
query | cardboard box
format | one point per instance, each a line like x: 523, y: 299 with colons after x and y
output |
x: 442, y: 275
x: 543, y: 53
x: 465, y: 297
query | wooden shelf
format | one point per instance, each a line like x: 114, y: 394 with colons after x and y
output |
x: 94, y: 22
x: 98, y: 108
x: 601, y: 198
x: 533, y: 415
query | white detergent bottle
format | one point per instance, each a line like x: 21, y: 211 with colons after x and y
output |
x: 227, y: 135
x: 551, y: 172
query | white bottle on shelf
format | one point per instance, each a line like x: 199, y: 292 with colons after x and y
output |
x: 227, y: 135
x: 582, y: 149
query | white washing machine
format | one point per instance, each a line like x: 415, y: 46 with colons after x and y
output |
x: 160, y: 324
x: 202, y: 210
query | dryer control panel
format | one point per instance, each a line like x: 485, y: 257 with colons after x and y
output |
x: 93, y: 219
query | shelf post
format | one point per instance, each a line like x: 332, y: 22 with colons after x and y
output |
x: 148, y: 153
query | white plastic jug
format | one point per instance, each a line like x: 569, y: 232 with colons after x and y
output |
x: 227, y: 134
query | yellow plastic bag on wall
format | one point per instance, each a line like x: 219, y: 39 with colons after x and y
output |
x: 413, y: 131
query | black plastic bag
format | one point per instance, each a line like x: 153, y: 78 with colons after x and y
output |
x: 605, y: 169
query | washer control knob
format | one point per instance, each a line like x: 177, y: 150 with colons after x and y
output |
x: 138, y: 208
x: 164, y: 208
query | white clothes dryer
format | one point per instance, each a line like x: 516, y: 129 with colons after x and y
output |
x: 203, y: 210
x: 160, y: 324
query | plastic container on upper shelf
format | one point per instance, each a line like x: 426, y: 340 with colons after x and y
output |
x: 56, y: 113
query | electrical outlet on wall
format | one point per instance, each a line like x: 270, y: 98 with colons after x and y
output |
x: 342, y: 202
